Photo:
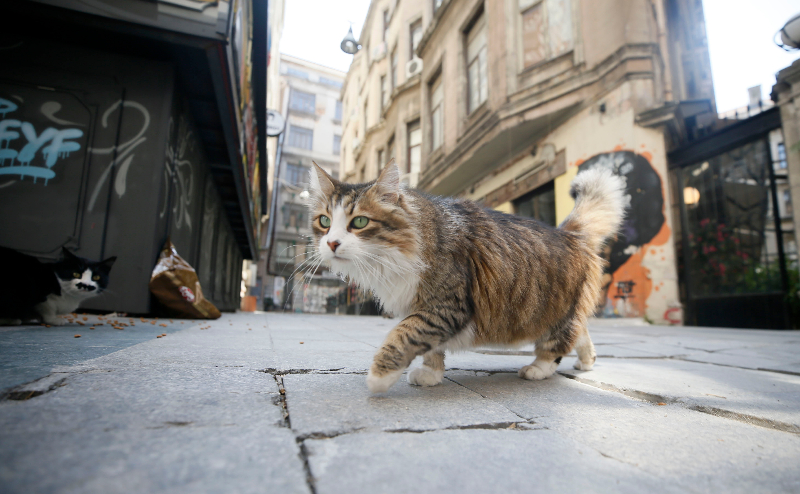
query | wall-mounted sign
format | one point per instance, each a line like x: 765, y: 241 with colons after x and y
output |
x: 275, y: 123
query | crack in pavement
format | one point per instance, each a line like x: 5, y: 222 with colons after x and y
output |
x: 21, y: 393
x: 762, y: 369
x: 663, y: 400
x: 287, y: 423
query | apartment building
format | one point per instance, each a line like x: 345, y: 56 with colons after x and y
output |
x: 505, y: 101
x: 310, y: 101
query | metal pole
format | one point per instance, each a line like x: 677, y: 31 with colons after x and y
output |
x: 776, y: 216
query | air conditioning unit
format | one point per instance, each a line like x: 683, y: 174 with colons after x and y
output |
x: 413, y: 67
x: 379, y: 51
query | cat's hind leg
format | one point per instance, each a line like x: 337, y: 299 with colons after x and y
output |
x: 549, y: 352
x: 432, y: 371
x: 585, y: 350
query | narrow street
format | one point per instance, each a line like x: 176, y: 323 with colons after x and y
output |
x: 277, y: 403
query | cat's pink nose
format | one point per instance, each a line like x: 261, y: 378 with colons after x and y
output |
x: 333, y: 245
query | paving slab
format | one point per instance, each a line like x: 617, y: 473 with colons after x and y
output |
x: 184, y: 413
x: 331, y: 404
x: 769, y: 395
x: 697, y: 451
x: 470, y: 461
x: 30, y: 351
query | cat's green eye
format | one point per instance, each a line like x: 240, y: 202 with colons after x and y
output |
x: 360, y: 222
x: 76, y: 275
x: 324, y: 221
x: 96, y: 278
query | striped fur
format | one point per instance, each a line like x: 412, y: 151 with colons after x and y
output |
x: 460, y: 276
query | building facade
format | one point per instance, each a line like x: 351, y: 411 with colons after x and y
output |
x: 505, y: 101
x: 129, y: 123
x: 310, y: 100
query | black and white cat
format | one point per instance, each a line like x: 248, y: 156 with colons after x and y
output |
x: 35, y: 290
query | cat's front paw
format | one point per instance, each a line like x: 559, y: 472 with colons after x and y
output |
x: 584, y: 366
x: 425, y: 376
x: 381, y: 383
x: 54, y: 320
x: 538, y: 371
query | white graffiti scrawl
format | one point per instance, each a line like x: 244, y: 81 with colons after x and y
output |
x: 20, y: 161
x: 124, y: 151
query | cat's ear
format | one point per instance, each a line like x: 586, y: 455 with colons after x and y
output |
x: 321, y: 183
x: 389, y: 182
x: 107, y: 263
x: 68, y: 254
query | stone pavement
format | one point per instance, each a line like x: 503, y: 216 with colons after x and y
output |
x: 277, y: 403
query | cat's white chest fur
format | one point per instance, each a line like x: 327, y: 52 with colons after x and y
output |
x: 60, y: 304
x: 69, y: 299
x: 393, y: 280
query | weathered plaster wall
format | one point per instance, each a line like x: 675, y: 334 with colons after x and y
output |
x: 642, y: 281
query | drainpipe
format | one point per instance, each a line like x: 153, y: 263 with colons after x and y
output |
x: 273, y: 208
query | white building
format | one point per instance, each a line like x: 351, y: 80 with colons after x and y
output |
x: 311, y: 104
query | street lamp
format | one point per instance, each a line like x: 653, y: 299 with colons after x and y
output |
x: 789, y: 34
x: 349, y: 44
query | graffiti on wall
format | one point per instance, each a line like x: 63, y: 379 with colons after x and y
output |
x: 24, y: 152
x: 180, y: 170
x: 122, y: 153
x: 626, y: 285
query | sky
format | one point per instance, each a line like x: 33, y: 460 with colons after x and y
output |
x: 740, y: 34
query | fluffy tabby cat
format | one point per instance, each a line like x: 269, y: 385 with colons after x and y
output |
x: 461, y: 276
x: 36, y: 290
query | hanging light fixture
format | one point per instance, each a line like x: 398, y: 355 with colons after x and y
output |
x: 789, y: 34
x: 349, y: 44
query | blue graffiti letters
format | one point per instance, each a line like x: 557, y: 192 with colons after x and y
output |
x: 60, y: 146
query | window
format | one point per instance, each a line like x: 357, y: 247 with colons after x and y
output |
x: 284, y: 249
x: 330, y: 82
x: 395, y: 61
x: 787, y: 198
x: 782, y: 156
x: 386, y: 21
x: 414, y: 147
x: 546, y: 29
x: 302, y: 102
x: 337, y: 145
x: 539, y: 204
x: 300, y: 137
x: 296, y: 174
x: 381, y: 158
x: 477, y: 77
x: 415, y: 31
x: 338, y: 116
x: 437, y: 113
x: 295, y: 72
x: 384, y: 93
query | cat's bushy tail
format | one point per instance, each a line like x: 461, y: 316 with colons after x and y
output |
x: 600, y: 204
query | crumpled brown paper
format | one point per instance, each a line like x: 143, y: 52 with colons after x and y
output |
x: 175, y: 285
